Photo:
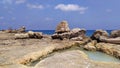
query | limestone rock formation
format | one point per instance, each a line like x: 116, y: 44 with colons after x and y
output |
x: 63, y: 32
x: 20, y: 30
x: 69, y: 35
x: 21, y: 36
x: 30, y: 34
x: 96, y: 35
x: 111, y: 49
x: 91, y: 46
x: 37, y: 35
x: 62, y: 27
x: 115, y: 33
x: 110, y: 40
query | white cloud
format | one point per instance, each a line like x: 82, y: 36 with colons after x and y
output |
x: 71, y: 7
x: 33, y: 6
x: 13, y: 1
x: 20, y: 1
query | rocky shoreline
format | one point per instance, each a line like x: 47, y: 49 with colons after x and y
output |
x: 18, y: 49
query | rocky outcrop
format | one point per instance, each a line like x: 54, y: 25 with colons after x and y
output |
x: 62, y: 32
x: 62, y: 27
x: 115, y: 33
x: 91, y: 46
x: 111, y: 49
x: 20, y: 30
x: 21, y: 36
x: 70, y: 35
x: 110, y: 40
x: 30, y: 34
x: 98, y: 33
x: 37, y: 35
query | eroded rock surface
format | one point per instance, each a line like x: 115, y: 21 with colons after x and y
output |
x: 62, y: 27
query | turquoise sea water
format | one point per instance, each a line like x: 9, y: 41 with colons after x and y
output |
x: 50, y: 32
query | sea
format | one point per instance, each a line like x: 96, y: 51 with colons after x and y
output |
x: 50, y: 32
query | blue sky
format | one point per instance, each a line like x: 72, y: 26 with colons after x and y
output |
x: 46, y: 14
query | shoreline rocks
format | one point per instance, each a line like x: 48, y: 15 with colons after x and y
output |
x: 29, y: 34
x: 62, y: 27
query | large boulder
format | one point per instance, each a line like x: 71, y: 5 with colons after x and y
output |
x: 96, y: 35
x: 115, y: 33
x: 77, y: 32
x: 62, y: 27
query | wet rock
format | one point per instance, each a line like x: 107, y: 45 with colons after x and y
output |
x: 96, y: 35
x: 91, y: 46
x: 115, y: 33
x: 62, y: 27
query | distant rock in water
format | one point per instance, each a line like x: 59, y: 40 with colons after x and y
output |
x: 98, y: 33
x: 115, y: 33
x: 62, y: 27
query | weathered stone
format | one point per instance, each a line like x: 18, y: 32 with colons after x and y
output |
x: 96, y: 35
x: 21, y: 36
x: 62, y: 27
x: 37, y: 35
x: 68, y: 35
x: 111, y: 49
x: 91, y: 46
x: 115, y: 33
x: 77, y: 39
x: 110, y: 40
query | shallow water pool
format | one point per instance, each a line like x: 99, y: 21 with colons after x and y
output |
x: 99, y: 56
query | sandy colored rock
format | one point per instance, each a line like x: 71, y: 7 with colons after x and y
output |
x: 111, y: 49
x: 91, y: 46
x: 62, y: 27
x: 96, y: 35
x: 115, y: 33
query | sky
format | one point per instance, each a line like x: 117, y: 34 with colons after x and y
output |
x: 46, y: 14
